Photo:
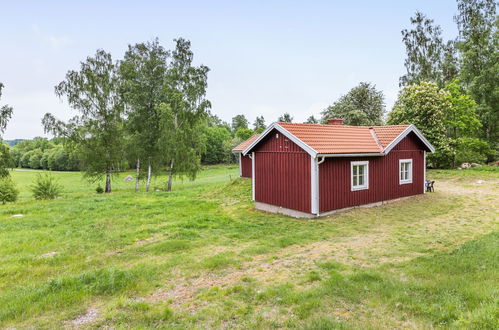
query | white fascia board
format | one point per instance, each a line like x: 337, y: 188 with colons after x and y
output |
x: 402, y: 135
x: 286, y: 133
x: 258, y: 139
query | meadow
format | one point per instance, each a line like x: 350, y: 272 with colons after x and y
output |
x: 202, y: 257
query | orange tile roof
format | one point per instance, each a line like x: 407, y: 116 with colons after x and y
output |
x: 387, y: 134
x: 245, y: 144
x: 340, y: 139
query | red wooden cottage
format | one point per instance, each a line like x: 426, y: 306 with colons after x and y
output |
x: 309, y: 170
x: 244, y: 160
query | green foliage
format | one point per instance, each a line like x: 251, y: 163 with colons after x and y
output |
x: 99, y: 190
x: 362, y: 105
x: 312, y: 120
x: 259, y: 124
x: 143, y: 74
x: 425, y: 51
x: 244, y: 133
x: 425, y: 105
x: 5, y: 115
x: 448, y: 119
x: 6, y: 160
x: 46, y: 187
x: 285, y: 118
x: 478, y: 43
x: 469, y: 150
x: 183, y: 118
x: 239, y: 121
x: 8, y: 190
x: 41, y: 153
x: 217, y: 145
x: 5, y: 156
x: 97, y: 131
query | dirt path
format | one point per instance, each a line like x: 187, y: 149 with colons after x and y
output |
x: 382, y: 244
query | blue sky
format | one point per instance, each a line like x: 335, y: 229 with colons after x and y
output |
x: 266, y: 57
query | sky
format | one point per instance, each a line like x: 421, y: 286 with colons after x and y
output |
x: 265, y: 57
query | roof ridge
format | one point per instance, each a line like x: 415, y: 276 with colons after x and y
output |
x: 376, y: 139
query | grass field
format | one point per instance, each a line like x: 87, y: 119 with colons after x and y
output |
x: 202, y: 257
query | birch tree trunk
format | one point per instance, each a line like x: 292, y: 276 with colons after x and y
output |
x: 137, y: 174
x: 148, y: 183
x: 170, y: 177
x: 108, y: 181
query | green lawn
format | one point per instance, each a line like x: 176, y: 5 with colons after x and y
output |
x: 201, y: 256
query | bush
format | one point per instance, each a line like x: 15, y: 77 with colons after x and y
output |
x: 8, y: 191
x: 99, y: 190
x: 46, y: 187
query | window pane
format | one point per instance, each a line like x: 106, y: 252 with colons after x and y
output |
x: 355, y: 170
x: 354, y: 180
x: 361, y: 169
x: 361, y: 180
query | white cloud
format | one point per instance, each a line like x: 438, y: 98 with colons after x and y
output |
x: 55, y: 42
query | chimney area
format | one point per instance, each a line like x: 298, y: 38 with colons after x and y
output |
x: 335, y: 121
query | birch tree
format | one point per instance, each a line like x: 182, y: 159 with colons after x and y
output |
x: 143, y: 72
x: 5, y: 114
x: 97, y: 130
x: 183, y: 116
x: 5, y: 157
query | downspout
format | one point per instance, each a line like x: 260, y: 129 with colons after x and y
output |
x: 253, y: 181
x: 314, y: 184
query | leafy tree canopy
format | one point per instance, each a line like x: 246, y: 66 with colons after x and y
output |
x: 312, y: 120
x: 97, y: 131
x: 238, y: 122
x: 424, y: 105
x: 362, y: 105
x: 259, y: 124
x: 5, y: 114
x: 285, y: 118
x: 424, y: 48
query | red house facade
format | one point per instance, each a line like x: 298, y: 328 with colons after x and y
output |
x: 309, y: 170
x: 245, y: 164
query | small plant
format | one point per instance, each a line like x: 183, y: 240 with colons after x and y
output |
x: 8, y: 191
x: 99, y: 190
x: 46, y: 187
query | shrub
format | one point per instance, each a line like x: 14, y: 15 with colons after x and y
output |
x: 99, y: 190
x: 8, y: 191
x: 46, y: 187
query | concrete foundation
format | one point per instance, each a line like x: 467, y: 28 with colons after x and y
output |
x: 299, y: 214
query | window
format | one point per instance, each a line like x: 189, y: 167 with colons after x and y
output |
x: 405, y: 172
x: 360, y: 175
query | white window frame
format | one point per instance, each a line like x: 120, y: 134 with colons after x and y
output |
x: 366, y: 175
x: 409, y: 171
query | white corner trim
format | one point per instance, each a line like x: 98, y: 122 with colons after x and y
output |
x: 240, y: 165
x: 366, y: 183
x: 410, y: 171
x: 286, y: 133
x: 402, y: 135
x: 253, y: 176
x: 314, y: 185
x: 424, y: 172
